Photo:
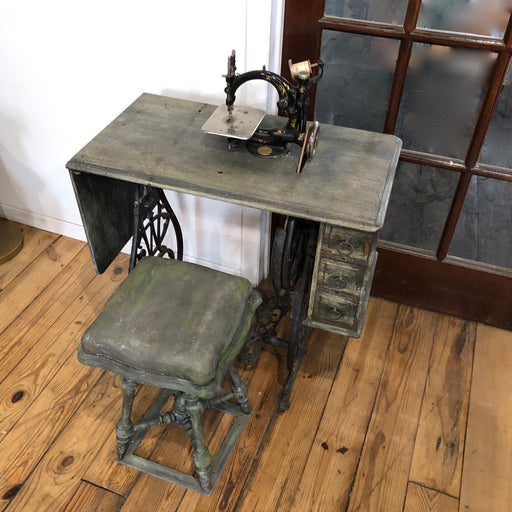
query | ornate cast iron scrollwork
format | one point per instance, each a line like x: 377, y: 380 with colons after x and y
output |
x: 152, y: 217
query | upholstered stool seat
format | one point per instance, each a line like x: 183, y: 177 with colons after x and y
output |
x: 177, y: 326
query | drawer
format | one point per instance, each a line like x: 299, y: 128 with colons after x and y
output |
x: 338, y: 275
x: 347, y: 244
x: 337, y: 310
x: 339, y: 295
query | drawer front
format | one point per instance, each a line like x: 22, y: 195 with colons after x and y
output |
x: 339, y: 311
x: 347, y: 244
x: 340, y: 276
x: 339, y: 295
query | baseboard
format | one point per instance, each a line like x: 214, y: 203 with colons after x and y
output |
x: 44, y: 222
x: 442, y: 286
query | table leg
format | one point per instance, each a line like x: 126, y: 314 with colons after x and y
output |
x: 153, y: 216
x: 299, y: 333
x: 291, y: 269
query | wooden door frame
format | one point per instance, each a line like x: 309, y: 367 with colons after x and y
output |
x: 403, y: 274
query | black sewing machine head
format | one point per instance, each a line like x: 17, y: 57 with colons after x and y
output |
x: 242, y: 123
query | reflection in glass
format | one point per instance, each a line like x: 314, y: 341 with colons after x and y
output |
x: 354, y: 90
x: 419, y: 203
x: 483, y: 230
x: 482, y: 17
x: 383, y: 11
x: 497, y: 147
x: 442, y: 95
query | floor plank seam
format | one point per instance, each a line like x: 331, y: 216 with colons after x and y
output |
x: 321, y: 415
x: 102, y: 488
x: 475, y: 325
x: 437, y: 491
x: 42, y: 389
x: 423, y: 393
x: 40, y: 292
x: 50, y: 445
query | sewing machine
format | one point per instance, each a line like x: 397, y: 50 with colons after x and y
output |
x: 156, y: 143
x: 243, y: 123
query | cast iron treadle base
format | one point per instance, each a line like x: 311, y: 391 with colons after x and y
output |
x: 292, y: 260
x: 152, y: 217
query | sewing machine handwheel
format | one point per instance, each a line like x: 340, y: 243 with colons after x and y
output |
x: 294, y: 252
x: 312, y: 139
x: 309, y: 145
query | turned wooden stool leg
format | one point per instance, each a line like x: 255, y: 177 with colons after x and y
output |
x: 181, y: 414
x: 124, y: 428
x: 202, y: 458
x: 240, y: 390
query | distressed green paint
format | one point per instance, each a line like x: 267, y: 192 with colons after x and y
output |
x: 169, y: 303
x: 177, y: 326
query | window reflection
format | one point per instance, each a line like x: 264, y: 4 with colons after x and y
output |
x: 482, y: 232
x: 483, y: 17
x: 354, y: 90
x: 383, y: 11
x: 419, y: 203
x: 442, y: 96
x: 497, y: 147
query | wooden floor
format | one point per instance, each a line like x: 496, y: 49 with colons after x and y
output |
x: 415, y: 416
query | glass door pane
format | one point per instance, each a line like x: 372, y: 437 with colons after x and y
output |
x: 484, y: 230
x: 443, y: 92
x: 497, y: 148
x: 384, y: 11
x: 481, y: 17
x: 354, y: 90
x: 420, y: 201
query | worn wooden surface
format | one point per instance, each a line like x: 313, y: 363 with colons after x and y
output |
x: 382, y: 475
x: 158, y: 140
x: 283, y: 460
x: 439, y: 447
x: 376, y: 424
x: 340, y: 437
x: 423, y: 499
x: 487, y: 469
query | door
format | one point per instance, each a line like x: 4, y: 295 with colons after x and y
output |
x: 437, y: 74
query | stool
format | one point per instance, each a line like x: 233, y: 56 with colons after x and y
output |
x: 177, y: 326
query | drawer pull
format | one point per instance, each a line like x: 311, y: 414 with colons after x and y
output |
x: 333, y: 313
x: 337, y: 280
x: 343, y: 245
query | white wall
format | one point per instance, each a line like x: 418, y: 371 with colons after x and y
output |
x: 67, y: 68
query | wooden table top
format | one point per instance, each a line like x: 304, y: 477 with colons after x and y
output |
x: 158, y: 141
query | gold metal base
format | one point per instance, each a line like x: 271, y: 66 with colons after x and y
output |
x: 11, y: 240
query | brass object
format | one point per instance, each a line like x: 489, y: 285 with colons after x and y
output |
x: 11, y: 240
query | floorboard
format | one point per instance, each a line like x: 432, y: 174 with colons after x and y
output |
x: 277, y: 473
x: 327, y: 479
x: 439, y: 446
x: 487, y: 470
x: 414, y: 416
x: 382, y: 474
